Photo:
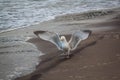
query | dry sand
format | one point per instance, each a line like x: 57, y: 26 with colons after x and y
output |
x: 97, y: 58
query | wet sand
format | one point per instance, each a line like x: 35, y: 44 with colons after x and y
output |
x: 96, y: 58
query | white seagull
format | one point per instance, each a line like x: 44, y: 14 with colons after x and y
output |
x: 61, y: 42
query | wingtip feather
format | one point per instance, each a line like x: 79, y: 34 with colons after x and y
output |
x: 88, y: 31
x: 38, y: 32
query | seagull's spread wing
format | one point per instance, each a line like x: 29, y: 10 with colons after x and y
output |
x: 77, y: 37
x: 49, y: 36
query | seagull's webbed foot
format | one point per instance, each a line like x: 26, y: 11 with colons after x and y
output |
x: 65, y: 55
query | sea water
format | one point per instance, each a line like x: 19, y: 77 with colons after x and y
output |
x: 17, y: 57
x: 21, y: 13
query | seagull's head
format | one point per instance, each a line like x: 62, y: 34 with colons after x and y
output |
x: 62, y: 38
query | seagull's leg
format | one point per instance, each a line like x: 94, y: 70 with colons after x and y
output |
x: 68, y: 54
x: 65, y: 54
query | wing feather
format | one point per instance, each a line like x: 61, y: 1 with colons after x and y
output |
x: 49, y: 36
x: 77, y: 37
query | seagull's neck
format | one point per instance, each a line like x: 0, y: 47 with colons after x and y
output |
x: 65, y: 41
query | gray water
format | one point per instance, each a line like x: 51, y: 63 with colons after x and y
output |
x: 21, y: 13
x: 17, y: 57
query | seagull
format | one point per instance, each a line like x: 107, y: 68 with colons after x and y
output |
x: 61, y: 42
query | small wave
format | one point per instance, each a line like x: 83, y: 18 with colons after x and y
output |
x: 86, y: 15
x: 10, y: 39
x: 18, y: 52
x: 1, y: 47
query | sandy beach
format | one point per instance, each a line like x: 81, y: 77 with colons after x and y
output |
x: 96, y: 58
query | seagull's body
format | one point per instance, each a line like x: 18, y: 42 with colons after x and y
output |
x: 61, y: 42
x: 65, y: 46
x: 64, y: 43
